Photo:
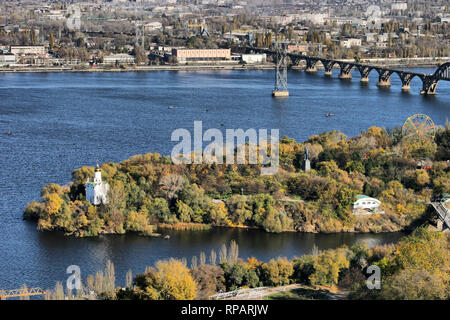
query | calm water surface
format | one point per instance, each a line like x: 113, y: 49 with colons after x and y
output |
x: 61, y: 121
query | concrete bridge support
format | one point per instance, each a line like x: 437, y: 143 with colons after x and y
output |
x: 406, y: 80
x: 311, y: 66
x: 385, y: 83
x: 346, y: 71
x: 405, y: 87
x: 429, y: 85
x: 384, y: 79
x: 280, y: 93
x: 345, y: 75
x: 311, y: 70
x: 364, y: 71
x: 328, y: 66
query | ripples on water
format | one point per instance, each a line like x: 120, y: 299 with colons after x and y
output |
x: 61, y: 121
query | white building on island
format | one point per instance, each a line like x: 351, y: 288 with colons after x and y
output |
x: 366, y: 205
x: 97, y: 190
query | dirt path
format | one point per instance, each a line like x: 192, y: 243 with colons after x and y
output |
x: 258, y: 294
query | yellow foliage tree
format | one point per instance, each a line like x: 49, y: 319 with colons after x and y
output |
x: 219, y: 214
x: 169, y: 280
x: 53, y: 203
x: 424, y: 250
x: 176, y: 280
x: 327, y: 266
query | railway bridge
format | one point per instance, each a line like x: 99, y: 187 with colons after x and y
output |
x: 429, y: 81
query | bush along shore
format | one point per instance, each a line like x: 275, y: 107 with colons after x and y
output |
x: 404, y: 173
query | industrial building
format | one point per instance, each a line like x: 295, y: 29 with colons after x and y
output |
x: 120, y: 58
x: 201, y: 55
x: 254, y: 58
x: 28, y: 50
x: 7, y: 58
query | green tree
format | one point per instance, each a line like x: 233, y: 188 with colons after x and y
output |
x: 277, y: 272
x: 327, y: 265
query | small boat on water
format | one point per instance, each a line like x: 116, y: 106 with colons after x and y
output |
x: 9, y: 133
x: 171, y: 107
x: 329, y: 114
x: 167, y: 237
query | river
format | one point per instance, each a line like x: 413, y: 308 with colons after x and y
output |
x: 61, y: 121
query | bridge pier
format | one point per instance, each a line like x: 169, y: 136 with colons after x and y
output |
x: 311, y: 69
x: 311, y: 66
x: 345, y: 75
x: 365, y: 80
x: 346, y: 71
x: 406, y: 80
x: 384, y: 83
x: 364, y: 71
x: 384, y: 78
x: 429, y: 85
x: 280, y: 93
x: 328, y: 66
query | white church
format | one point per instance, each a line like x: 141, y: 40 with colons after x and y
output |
x: 97, y: 190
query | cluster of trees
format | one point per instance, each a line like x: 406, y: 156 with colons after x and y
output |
x: 149, y: 190
x: 415, y: 268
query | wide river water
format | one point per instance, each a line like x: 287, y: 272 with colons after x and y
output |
x: 61, y: 121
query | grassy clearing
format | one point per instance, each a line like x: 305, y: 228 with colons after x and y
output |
x: 306, y: 293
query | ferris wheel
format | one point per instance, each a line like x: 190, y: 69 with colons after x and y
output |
x: 419, y: 125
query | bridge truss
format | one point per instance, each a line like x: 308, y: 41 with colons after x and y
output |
x: 23, y: 292
x: 281, y: 71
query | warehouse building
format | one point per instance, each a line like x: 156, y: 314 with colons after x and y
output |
x: 201, y: 55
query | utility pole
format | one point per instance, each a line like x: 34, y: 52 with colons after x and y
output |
x: 280, y: 89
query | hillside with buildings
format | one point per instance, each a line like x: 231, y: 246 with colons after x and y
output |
x: 123, y: 33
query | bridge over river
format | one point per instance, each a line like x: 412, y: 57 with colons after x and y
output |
x: 443, y: 214
x: 429, y: 81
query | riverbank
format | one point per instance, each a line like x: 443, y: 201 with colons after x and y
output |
x: 199, y: 67
x: 386, y: 62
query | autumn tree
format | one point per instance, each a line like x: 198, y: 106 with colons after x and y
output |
x: 277, y: 272
x: 327, y: 265
x: 210, y: 280
x: 169, y: 280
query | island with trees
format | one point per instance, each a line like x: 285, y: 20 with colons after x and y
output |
x: 149, y: 192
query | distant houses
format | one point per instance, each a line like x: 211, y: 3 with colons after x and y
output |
x: 365, y: 205
x: 7, y: 58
